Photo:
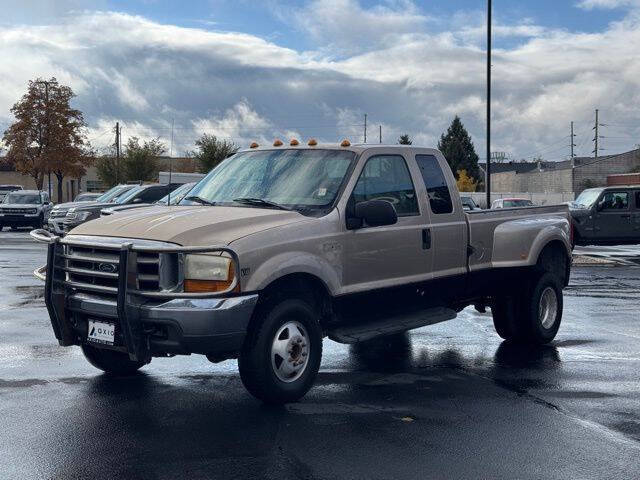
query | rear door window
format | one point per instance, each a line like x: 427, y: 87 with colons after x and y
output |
x: 437, y: 188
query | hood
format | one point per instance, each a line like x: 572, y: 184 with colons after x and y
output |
x: 68, y: 205
x: 92, y: 206
x: 188, y: 225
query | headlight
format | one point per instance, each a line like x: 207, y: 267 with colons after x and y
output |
x: 207, y: 273
x: 78, y: 216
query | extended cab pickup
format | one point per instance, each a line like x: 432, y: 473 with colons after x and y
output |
x: 279, y: 247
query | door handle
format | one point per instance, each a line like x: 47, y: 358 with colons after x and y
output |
x: 426, y: 238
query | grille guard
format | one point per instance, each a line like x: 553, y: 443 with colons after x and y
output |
x: 56, y: 288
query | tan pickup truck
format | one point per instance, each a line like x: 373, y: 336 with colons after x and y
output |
x: 279, y: 247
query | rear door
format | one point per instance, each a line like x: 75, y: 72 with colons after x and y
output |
x: 613, y: 220
x: 448, y: 229
x: 635, y: 216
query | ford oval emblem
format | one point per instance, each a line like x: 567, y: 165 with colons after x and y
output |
x: 107, y: 267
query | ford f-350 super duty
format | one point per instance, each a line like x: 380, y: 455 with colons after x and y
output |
x: 279, y: 247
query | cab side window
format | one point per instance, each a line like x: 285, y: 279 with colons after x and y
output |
x: 386, y: 177
x: 637, y: 199
x: 437, y: 188
x: 615, y: 201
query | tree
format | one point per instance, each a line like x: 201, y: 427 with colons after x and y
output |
x: 458, y: 149
x: 465, y: 182
x: 48, y: 135
x: 404, y: 140
x: 140, y: 161
x: 211, y: 151
x: 107, y: 170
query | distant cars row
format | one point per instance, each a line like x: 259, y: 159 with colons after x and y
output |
x: 469, y: 204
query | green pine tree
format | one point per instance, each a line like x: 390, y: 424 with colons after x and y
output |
x: 404, y: 140
x: 458, y: 149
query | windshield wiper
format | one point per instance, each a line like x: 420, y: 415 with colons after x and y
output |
x: 195, y: 198
x: 261, y: 203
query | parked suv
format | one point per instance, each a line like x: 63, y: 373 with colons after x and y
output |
x: 25, y: 208
x: 170, y: 199
x: 278, y: 247
x: 139, y: 194
x: 5, y: 189
x: 59, y: 212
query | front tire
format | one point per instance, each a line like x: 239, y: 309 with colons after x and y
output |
x: 110, y: 361
x: 281, y: 355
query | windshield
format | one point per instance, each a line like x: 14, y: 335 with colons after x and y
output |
x: 128, y: 194
x: 298, y: 179
x: 588, y: 197
x: 23, y: 198
x: 112, y: 193
x: 517, y: 203
x: 177, y: 195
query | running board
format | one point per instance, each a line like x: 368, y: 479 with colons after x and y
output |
x: 366, y: 331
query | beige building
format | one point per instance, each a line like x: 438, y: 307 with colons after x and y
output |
x: 88, y: 183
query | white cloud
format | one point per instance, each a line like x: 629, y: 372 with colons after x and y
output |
x: 345, y: 26
x: 147, y: 75
x: 606, y: 4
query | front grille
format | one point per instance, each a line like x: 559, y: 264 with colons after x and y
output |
x: 21, y: 211
x: 88, y: 267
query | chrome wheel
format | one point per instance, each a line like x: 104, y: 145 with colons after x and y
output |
x: 548, y: 308
x: 290, y: 351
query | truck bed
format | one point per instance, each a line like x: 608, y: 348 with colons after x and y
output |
x: 513, y: 237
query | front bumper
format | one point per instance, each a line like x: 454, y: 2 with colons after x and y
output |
x: 147, y: 324
x: 20, y: 220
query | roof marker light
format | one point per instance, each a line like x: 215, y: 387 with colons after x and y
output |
x: 345, y: 143
x: 277, y: 142
x: 294, y: 142
x: 254, y: 145
x: 312, y: 142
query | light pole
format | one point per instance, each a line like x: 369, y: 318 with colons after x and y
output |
x: 488, y: 172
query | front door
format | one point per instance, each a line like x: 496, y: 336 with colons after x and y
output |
x: 612, y: 220
x: 392, y: 255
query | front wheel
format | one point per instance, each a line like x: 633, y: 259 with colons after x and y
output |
x: 281, y: 354
x: 110, y: 361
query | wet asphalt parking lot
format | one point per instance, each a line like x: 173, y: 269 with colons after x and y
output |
x: 447, y: 401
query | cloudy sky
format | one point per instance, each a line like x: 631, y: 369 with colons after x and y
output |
x: 254, y: 70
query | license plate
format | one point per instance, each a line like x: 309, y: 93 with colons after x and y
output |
x: 101, y: 332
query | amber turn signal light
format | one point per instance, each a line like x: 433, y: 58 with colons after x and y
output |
x: 254, y: 145
x: 345, y: 143
x: 294, y: 142
x: 312, y: 142
x: 277, y: 143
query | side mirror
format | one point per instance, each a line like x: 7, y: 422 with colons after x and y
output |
x: 600, y: 205
x: 374, y: 213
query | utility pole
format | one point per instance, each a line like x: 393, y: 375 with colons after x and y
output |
x: 365, y: 128
x: 170, y: 166
x: 117, y: 152
x: 595, y: 139
x: 488, y: 172
x: 572, y: 144
x: 46, y: 117
x: 380, y: 133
